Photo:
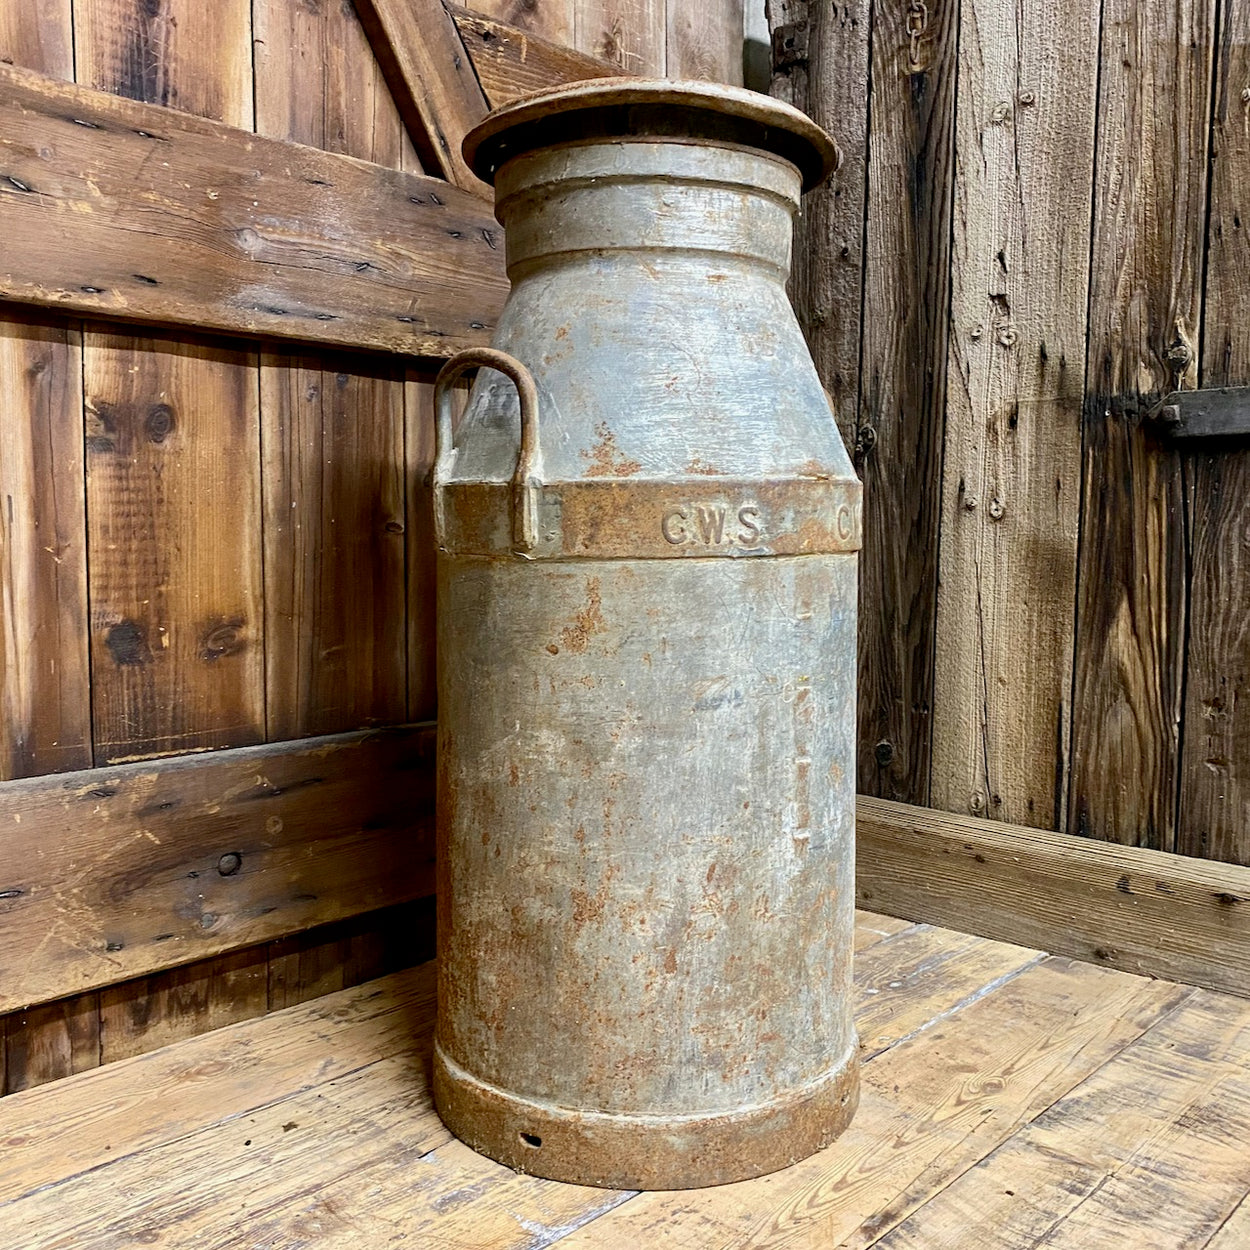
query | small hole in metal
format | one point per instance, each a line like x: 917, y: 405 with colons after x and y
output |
x: 532, y: 1139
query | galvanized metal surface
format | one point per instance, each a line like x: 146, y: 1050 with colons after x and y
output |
x: 646, y: 675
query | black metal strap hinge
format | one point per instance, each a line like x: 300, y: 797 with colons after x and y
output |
x: 1219, y: 413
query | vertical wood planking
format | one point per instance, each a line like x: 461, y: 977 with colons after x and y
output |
x: 334, y: 544
x: 1145, y: 293
x: 45, y: 701
x: 553, y: 19
x: 1024, y: 153
x: 821, y: 62
x: 419, y: 452
x: 174, y: 536
x: 318, y: 82
x: 173, y: 439
x: 173, y: 485
x: 45, y: 692
x: 632, y: 33
x: 332, y: 427
x: 705, y: 41
x: 52, y: 1041
x: 138, y: 1016
x: 1215, y: 768
x: 903, y: 392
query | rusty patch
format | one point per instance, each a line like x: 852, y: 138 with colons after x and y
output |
x: 701, y: 467
x: 588, y: 621
x: 605, y: 457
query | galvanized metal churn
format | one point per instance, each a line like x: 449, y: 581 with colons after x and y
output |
x: 648, y: 527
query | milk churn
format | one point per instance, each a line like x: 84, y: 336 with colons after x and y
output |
x: 647, y: 527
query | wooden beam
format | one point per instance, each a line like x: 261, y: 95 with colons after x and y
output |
x: 111, y: 207
x: 512, y: 63
x: 115, y: 873
x: 1143, y: 911
x: 431, y: 79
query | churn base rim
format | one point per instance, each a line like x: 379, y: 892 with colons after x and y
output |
x: 644, y: 1152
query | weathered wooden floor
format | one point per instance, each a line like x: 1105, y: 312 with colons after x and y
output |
x: 1010, y: 1099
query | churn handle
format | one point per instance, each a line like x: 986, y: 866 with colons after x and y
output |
x: 525, y: 479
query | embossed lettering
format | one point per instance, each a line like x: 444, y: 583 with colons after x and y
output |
x: 748, y: 517
x: 711, y: 524
x: 845, y: 522
x: 673, y: 527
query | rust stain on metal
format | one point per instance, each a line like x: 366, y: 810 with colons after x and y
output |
x: 587, y: 623
x: 646, y: 683
x: 605, y: 457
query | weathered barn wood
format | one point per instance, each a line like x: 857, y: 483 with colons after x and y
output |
x: 1011, y: 495
x: 820, y: 55
x: 630, y: 34
x: 511, y: 63
x: 1143, y: 911
x: 119, y: 872
x: 431, y: 78
x: 239, y: 233
x: 1214, y: 816
x: 1007, y: 1092
x: 332, y: 426
x: 1145, y: 308
x: 45, y: 702
x: 903, y: 390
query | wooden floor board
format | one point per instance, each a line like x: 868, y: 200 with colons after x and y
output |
x: 1155, y: 1139
x: 1009, y: 1099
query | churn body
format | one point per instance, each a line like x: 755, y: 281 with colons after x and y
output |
x: 646, y: 649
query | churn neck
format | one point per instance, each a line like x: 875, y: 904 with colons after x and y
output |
x: 655, y: 109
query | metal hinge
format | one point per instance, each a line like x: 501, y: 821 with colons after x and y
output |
x: 1219, y: 413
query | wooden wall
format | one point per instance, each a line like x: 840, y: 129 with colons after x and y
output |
x: 210, y: 543
x: 1038, y: 231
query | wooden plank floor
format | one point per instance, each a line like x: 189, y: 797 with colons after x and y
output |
x: 1010, y: 1099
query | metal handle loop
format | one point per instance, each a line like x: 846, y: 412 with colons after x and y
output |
x: 525, y: 483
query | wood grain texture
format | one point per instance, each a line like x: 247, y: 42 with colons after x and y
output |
x: 181, y: 54
x: 1148, y: 1151
x: 139, y: 1016
x: 332, y: 428
x: 1056, y: 1103
x: 335, y: 595
x: 1148, y: 912
x: 704, y: 41
x: 1023, y: 180
x: 631, y: 34
x: 318, y: 82
x: 1215, y: 766
x: 39, y: 37
x: 903, y: 394
x: 122, y: 872
x: 511, y: 62
x: 421, y: 585
x: 45, y: 700
x: 553, y: 20
x: 241, y: 233
x: 267, y: 1060
x: 173, y: 498
x: 821, y: 67
x: 1145, y: 296
x: 431, y: 78
x: 51, y: 1041
x: 177, y: 658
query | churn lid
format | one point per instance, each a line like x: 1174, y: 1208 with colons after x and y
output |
x: 618, y: 107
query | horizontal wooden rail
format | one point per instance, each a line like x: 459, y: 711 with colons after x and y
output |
x: 115, y: 208
x: 118, y: 872
x: 1124, y: 907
